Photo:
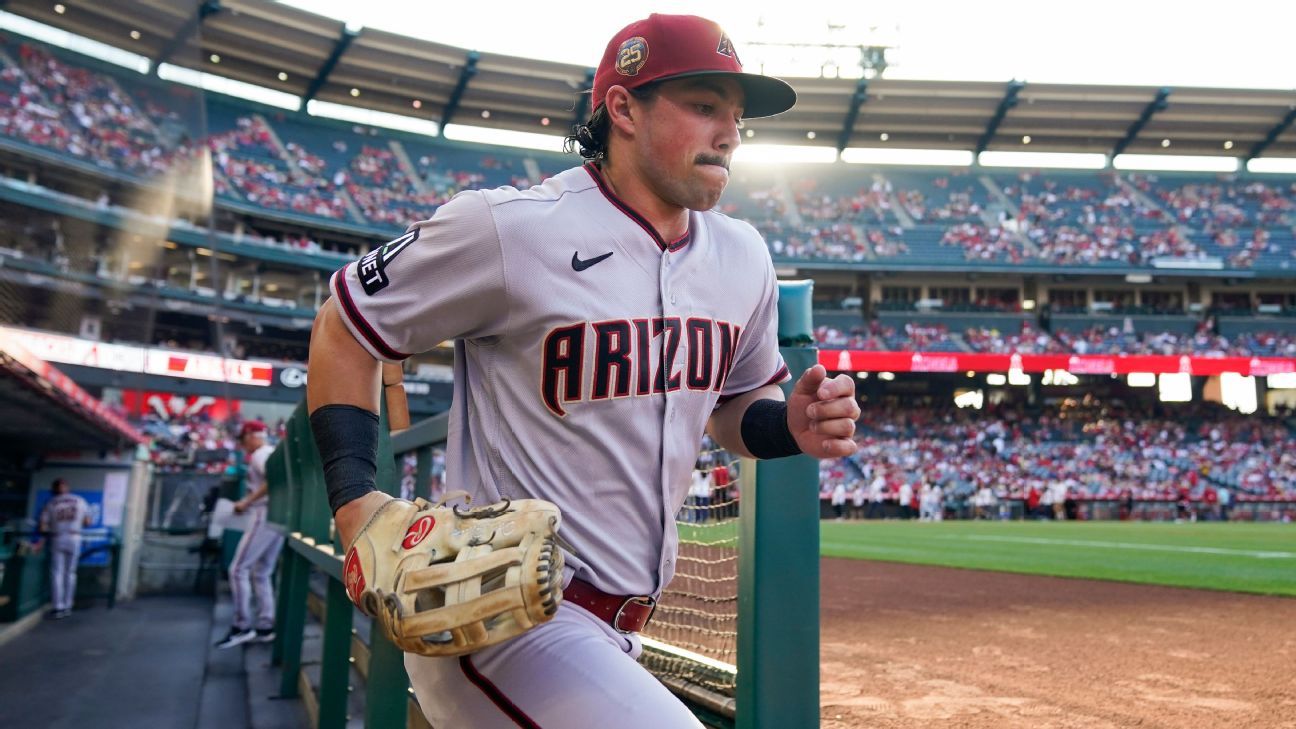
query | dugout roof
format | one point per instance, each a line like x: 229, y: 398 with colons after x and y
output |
x: 41, y: 409
x: 257, y: 40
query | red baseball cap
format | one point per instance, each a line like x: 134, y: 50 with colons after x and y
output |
x: 662, y: 47
x: 252, y: 426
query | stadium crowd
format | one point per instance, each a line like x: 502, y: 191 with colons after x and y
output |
x: 1104, y: 218
x: 1044, y: 458
x: 1025, y: 337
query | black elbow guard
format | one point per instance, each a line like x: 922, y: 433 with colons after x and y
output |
x: 347, y: 439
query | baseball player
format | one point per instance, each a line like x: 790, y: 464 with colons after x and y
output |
x: 63, y: 518
x: 602, y: 321
x: 258, y: 549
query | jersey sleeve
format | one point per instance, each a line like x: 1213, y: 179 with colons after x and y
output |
x: 759, y: 362
x: 258, y: 460
x: 443, y: 279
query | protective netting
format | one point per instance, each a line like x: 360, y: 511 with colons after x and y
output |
x: 693, y: 636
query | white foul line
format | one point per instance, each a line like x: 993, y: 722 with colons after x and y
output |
x: 1129, y: 545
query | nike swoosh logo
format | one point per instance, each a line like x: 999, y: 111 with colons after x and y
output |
x: 579, y: 265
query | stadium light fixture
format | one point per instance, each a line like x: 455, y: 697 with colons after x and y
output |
x: 1273, y: 165
x: 504, y: 137
x: 135, y: 35
x: 937, y: 157
x: 63, y: 39
x: 1018, y: 378
x: 1228, y: 144
x: 862, y: 375
x: 372, y: 117
x: 283, y: 76
x: 1238, y: 392
x: 1064, y: 160
x: 1059, y: 378
x: 1182, y: 163
x: 1174, y: 387
x: 996, y: 379
x: 1028, y: 305
x: 974, y: 399
x: 884, y: 136
x: 751, y: 133
x: 1141, y: 379
x: 784, y: 154
x: 228, y: 86
x: 60, y: 8
x: 1282, y: 381
x: 888, y: 376
x: 214, y: 58
x: 1026, y: 139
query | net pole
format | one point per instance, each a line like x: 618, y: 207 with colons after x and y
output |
x: 778, y: 585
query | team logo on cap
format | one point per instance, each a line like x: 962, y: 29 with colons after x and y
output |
x: 725, y: 48
x: 631, y: 56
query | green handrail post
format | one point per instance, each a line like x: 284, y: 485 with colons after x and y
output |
x: 295, y: 580
x: 778, y: 563
x: 387, y: 687
x: 335, y: 662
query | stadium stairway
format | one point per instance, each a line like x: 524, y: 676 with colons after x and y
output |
x: 148, y: 662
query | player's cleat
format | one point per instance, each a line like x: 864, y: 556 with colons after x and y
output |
x: 266, y: 635
x: 60, y: 614
x: 237, y: 637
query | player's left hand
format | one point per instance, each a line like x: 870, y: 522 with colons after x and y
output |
x: 822, y: 413
x: 239, y: 507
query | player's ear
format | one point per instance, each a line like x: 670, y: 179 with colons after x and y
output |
x: 619, y: 109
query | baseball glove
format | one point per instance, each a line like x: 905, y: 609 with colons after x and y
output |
x: 445, y: 581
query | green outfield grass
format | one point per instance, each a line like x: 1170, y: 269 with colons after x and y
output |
x: 1244, y: 557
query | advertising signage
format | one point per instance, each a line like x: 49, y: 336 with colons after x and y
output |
x: 151, y: 360
x: 842, y: 360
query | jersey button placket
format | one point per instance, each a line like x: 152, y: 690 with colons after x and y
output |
x: 668, y: 301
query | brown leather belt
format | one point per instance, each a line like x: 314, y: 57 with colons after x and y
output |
x: 626, y: 614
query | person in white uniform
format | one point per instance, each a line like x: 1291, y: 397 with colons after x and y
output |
x: 62, y: 520
x: 602, y: 322
x: 258, y: 549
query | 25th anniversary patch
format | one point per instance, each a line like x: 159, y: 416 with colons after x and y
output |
x: 372, y: 269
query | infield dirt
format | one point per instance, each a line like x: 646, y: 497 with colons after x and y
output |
x: 916, y: 646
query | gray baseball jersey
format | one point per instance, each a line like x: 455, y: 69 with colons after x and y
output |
x: 256, y: 475
x: 63, y: 519
x: 64, y: 516
x: 589, y: 353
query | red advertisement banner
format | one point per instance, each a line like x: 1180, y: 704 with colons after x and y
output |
x: 840, y: 360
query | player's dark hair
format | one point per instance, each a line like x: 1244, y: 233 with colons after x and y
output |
x: 591, y: 138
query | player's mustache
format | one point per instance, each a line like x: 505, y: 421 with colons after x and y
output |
x: 706, y: 159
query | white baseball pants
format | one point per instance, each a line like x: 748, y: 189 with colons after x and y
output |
x: 250, y: 571
x: 65, y: 553
x: 574, y: 672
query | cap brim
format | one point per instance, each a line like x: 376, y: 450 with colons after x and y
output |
x: 766, y: 95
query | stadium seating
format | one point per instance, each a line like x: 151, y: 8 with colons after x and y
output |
x: 355, y: 174
x: 1095, y: 453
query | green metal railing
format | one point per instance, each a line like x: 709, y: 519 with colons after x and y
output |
x: 778, y: 564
